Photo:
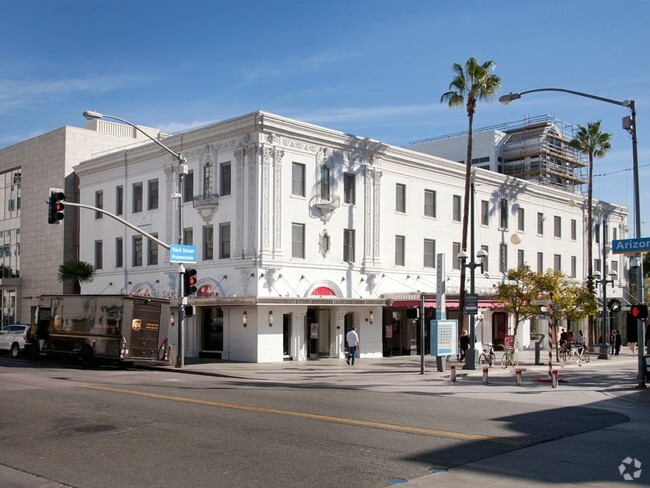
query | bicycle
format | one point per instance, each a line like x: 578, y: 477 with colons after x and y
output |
x: 565, y: 352
x: 509, y: 358
x: 487, y: 356
x: 580, y: 353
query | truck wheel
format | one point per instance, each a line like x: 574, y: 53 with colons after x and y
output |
x: 86, y: 357
x: 15, y: 350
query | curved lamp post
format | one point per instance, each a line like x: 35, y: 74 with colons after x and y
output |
x: 629, y: 124
x: 182, y: 171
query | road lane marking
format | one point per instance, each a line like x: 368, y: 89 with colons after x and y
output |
x: 315, y: 416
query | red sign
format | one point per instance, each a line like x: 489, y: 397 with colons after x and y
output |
x: 207, y: 291
x: 509, y: 342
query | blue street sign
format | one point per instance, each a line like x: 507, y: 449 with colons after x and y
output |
x: 182, y: 253
x: 640, y: 244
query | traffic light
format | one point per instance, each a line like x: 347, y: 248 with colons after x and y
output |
x: 591, y: 286
x: 189, y: 282
x: 188, y: 310
x: 55, y: 207
x: 614, y: 304
x: 639, y: 311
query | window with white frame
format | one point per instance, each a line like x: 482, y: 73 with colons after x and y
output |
x: 152, y: 251
x: 557, y: 262
x: 574, y: 266
x: 348, y: 245
x: 574, y: 229
x: 188, y: 186
x: 400, y: 243
x: 99, y: 254
x: 520, y: 258
x: 521, y: 219
x: 349, y: 190
x: 225, y: 180
x: 503, y: 258
x: 137, y: 251
x: 503, y: 211
x: 557, y: 226
x: 429, y: 253
x: 485, y: 212
x: 119, y: 200
x: 325, y: 182
x: 137, y: 197
x: 224, y: 240
x: 152, y: 201
x: 486, y: 261
x: 400, y: 198
x: 99, y: 203
x: 298, y: 240
x: 540, y: 262
x: 540, y: 223
x: 208, y: 242
x: 298, y: 179
x: 456, y: 202
x: 455, y: 250
x: 119, y: 252
x: 429, y: 203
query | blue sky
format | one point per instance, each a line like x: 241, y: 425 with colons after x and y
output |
x: 373, y: 68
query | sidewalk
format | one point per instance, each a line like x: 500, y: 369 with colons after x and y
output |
x: 588, y: 459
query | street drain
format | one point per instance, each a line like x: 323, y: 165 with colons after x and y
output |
x: 93, y: 429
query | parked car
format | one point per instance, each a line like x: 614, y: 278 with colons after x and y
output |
x: 13, y: 337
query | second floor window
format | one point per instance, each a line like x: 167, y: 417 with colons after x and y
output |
x: 188, y: 187
x: 540, y: 223
x: 99, y: 254
x: 557, y: 262
x: 207, y: 178
x: 137, y: 251
x: 400, y: 242
x: 298, y: 241
x: 520, y: 258
x: 429, y: 253
x: 348, y: 245
x: 429, y: 203
x: 557, y: 226
x: 324, y: 182
x: 503, y: 222
x: 455, y: 250
x: 152, y: 251
x: 119, y: 200
x: 485, y: 212
x: 521, y: 219
x: 574, y: 229
x: 208, y: 243
x: 119, y: 252
x: 224, y: 241
x: 188, y: 235
x: 540, y: 262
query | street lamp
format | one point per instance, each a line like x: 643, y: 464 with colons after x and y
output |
x: 471, y: 300
x: 182, y: 171
x: 629, y: 124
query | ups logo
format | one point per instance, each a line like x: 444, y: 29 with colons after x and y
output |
x: 136, y: 324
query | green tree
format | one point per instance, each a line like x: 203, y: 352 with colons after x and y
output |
x: 594, y: 143
x: 471, y: 83
x: 78, y: 272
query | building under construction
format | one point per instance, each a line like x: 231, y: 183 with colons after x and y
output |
x: 535, y: 149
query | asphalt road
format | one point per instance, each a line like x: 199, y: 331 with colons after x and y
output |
x: 145, y: 428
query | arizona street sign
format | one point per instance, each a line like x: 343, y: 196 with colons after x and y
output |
x: 640, y: 244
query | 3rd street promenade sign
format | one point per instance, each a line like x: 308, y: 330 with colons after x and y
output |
x: 621, y: 246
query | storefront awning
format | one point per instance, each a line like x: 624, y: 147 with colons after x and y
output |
x: 448, y: 304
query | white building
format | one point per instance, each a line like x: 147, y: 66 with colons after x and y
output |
x: 303, y: 231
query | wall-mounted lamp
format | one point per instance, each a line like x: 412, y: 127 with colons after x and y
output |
x: 244, y: 319
x: 261, y: 275
x: 270, y: 318
x: 172, y: 319
x: 342, y: 279
x: 371, y: 317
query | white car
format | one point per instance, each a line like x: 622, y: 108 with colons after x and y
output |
x: 13, y: 337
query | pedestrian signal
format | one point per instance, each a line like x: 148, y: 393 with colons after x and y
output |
x: 639, y: 311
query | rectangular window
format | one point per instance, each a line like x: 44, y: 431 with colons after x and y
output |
x: 486, y: 261
x: 224, y: 241
x: 298, y: 241
x: 99, y: 203
x: 614, y: 233
x: 349, y: 190
x: 574, y: 266
x: 574, y: 229
x: 400, y: 242
x: 208, y: 242
x: 119, y: 252
x: 429, y: 203
x: 208, y: 177
x: 456, y: 208
x: 540, y: 223
x: 503, y: 212
x: 455, y: 249
x: 557, y: 262
x: 614, y: 267
x: 540, y: 262
x: 137, y: 251
x: 119, y: 200
x: 225, y: 180
x: 152, y: 201
x: 557, y: 226
x: 137, y: 197
x: 348, y: 245
x: 325, y: 182
x: 188, y: 187
x: 188, y: 235
x: 152, y: 251
x: 520, y: 258
x: 429, y: 253
x: 485, y: 212
x: 298, y: 179
x: 597, y: 233
x: 99, y: 254
x: 597, y: 265
x: 400, y: 198
x: 503, y: 258
x: 521, y: 219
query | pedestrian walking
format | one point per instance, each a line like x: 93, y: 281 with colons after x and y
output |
x: 464, y: 345
x: 353, y: 344
x: 617, y: 342
x: 612, y: 340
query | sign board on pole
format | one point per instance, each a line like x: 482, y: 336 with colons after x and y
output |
x: 444, y: 337
x: 182, y: 253
x: 543, y: 303
x: 471, y: 303
x: 622, y: 246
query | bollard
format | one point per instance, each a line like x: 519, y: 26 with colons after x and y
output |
x: 517, y: 377
x: 555, y: 378
x: 453, y: 373
x: 485, y: 375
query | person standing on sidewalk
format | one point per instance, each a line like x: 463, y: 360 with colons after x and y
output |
x: 353, y: 343
x: 617, y: 342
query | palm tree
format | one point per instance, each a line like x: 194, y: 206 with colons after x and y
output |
x: 594, y: 143
x: 78, y: 272
x: 471, y: 83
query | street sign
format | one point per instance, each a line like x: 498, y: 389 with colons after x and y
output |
x: 543, y: 303
x: 622, y: 246
x: 182, y: 253
x: 471, y: 303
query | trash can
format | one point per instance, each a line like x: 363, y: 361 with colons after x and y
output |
x: 539, y: 338
x: 441, y: 363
